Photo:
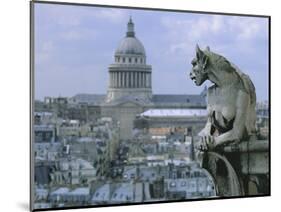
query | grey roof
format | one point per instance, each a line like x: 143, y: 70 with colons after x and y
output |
x: 174, y: 112
x: 102, y: 194
x: 192, y: 100
x: 133, y: 99
x: 195, y: 100
x: 123, y: 193
x: 89, y: 98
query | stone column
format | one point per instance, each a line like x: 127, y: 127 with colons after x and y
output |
x: 122, y: 79
x: 145, y: 80
x: 119, y: 79
x: 132, y: 79
x: 112, y: 82
x: 143, y: 83
x: 127, y: 79
x: 142, y: 79
x: 125, y: 83
x: 115, y: 79
x: 110, y: 77
x: 135, y: 80
x: 138, y: 84
x: 150, y: 80
x: 139, y: 79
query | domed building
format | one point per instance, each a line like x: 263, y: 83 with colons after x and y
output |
x: 129, y: 99
x: 129, y: 76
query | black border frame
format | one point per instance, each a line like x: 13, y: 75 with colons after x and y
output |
x: 31, y: 90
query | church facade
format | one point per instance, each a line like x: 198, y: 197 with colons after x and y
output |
x: 129, y: 91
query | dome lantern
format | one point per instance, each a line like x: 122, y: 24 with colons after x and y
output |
x: 130, y: 28
x: 130, y: 45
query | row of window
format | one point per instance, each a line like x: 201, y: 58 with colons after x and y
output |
x: 132, y: 176
x: 129, y: 60
x: 114, y: 196
x: 43, y: 136
x: 185, y: 184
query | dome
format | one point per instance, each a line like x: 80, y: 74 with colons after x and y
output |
x: 130, y: 44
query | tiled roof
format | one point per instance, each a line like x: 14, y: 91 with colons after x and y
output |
x: 157, y: 99
x: 173, y: 112
x: 179, y: 99
x: 89, y: 98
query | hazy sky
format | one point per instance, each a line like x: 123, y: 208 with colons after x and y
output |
x: 74, y: 46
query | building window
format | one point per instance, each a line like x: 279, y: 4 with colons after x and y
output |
x: 173, y: 184
x: 141, y: 60
x: 136, y: 60
x: 38, y: 137
x: 130, y: 60
x: 123, y: 59
x: 48, y: 136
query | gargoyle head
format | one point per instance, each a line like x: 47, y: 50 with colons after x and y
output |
x: 199, y: 70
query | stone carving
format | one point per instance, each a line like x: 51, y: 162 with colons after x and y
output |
x: 229, y: 149
x: 231, y: 100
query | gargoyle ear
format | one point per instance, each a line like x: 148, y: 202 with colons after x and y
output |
x: 208, y: 48
x: 199, y: 53
x: 201, y: 56
x: 205, y: 61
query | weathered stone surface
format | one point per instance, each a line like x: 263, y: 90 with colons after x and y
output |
x: 231, y: 99
x: 229, y: 149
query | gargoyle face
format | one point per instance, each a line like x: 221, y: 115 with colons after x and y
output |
x: 198, y: 72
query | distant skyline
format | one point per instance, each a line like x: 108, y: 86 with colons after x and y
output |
x: 75, y: 44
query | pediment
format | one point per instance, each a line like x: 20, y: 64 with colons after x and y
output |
x: 129, y: 103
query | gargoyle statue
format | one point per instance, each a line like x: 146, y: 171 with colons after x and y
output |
x: 231, y: 100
